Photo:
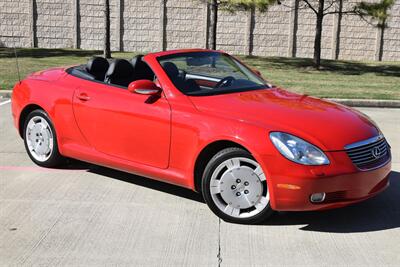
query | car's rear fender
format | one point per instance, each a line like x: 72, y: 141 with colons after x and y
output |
x: 55, y: 99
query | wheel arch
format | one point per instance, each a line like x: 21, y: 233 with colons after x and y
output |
x: 206, y: 154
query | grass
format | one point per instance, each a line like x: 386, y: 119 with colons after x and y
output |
x: 337, y: 79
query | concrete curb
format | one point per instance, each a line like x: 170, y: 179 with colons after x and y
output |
x: 373, y: 103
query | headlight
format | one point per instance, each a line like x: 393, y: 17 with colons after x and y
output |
x: 298, y: 150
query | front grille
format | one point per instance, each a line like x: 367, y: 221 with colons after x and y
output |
x: 370, y: 153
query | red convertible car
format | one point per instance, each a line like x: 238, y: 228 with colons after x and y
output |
x: 203, y: 120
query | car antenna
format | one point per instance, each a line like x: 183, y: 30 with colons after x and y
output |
x: 16, y: 63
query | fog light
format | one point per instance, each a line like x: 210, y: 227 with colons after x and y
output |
x: 317, y: 197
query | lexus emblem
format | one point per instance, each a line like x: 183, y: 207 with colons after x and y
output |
x: 376, y: 152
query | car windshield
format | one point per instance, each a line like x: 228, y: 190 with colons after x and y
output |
x: 209, y: 73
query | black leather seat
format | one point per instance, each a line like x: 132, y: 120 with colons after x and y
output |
x: 120, y: 72
x: 97, y: 66
x: 142, y: 70
x: 171, y: 69
x: 176, y: 77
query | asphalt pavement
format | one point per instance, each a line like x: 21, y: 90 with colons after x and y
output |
x: 86, y: 215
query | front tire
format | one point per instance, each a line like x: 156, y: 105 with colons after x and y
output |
x: 235, y: 187
x: 40, y: 140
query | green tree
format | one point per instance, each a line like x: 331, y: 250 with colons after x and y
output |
x: 321, y: 8
x: 378, y: 12
x: 214, y: 6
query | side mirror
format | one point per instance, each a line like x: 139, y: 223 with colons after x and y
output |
x: 144, y: 87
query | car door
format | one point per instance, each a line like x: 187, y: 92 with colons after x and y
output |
x: 121, y: 124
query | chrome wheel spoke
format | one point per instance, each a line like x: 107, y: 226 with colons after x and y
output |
x: 232, y: 163
x: 214, y: 183
x: 261, y: 204
x: 42, y: 126
x: 232, y: 211
x: 215, y: 190
x: 259, y: 172
x: 41, y: 148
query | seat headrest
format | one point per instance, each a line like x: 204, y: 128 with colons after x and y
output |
x: 120, y: 68
x: 97, y: 65
x: 142, y: 70
x: 136, y: 60
x: 171, y: 69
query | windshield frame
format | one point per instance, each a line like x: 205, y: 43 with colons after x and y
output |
x: 222, y: 90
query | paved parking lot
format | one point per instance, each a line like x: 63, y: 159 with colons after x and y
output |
x: 89, y: 215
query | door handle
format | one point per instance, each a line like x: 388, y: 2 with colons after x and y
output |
x: 83, y: 97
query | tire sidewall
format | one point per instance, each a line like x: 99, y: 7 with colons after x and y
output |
x: 219, y: 158
x: 55, y: 157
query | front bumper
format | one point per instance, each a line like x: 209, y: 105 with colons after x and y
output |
x: 291, y: 184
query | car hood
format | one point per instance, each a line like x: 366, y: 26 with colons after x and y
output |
x: 326, y: 124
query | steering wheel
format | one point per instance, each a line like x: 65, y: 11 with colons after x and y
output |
x: 225, y: 82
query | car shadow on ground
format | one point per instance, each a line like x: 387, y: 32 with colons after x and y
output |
x: 376, y: 214
x: 136, y: 179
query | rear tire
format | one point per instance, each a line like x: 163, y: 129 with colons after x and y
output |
x: 40, y: 140
x: 235, y: 187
